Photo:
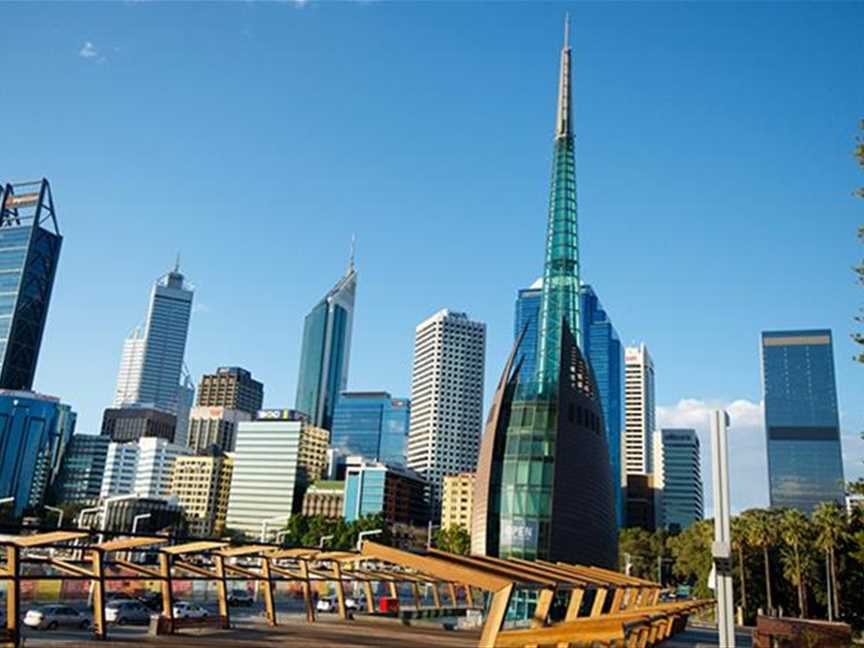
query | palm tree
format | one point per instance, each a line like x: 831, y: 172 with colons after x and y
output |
x: 831, y: 524
x: 739, y: 543
x: 795, y: 529
x: 762, y: 534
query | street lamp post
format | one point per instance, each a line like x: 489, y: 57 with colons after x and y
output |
x: 55, y: 510
x: 323, y: 539
x: 721, y: 549
x: 364, y: 534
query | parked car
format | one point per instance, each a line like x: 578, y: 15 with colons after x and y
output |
x: 123, y: 612
x: 151, y: 600
x: 187, y: 610
x: 354, y: 604
x: 119, y: 596
x: 50, y: 617
x: 326, y: 605
x: 239, y: 597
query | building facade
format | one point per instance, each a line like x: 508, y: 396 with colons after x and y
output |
x: 152, y: 362
x: 326, y: 351
x: 373, y: 425
x: 156, y: 458
x: 526, y: 322
x: 397, y: 493
x: 83, y: 468
x: 132, y: 423
x: 35, y: 430
x: 805, y: 463
x: 30, y: 244
x: 231, y: 388
x: 544, y: 486
x: 678, y: 477
x: 202, y: 484
x: 446, y: 399
x: 457, y: 502
x: 214, y: 425
x: 276, y: 457
x: 639, y: 411
x: 325, y: 498
x: 164, y: 515
x: 121, y: 464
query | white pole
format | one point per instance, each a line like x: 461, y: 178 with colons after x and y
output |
x: 56, y: 510
x: 722, y: 547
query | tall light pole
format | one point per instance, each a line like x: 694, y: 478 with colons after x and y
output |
x: 364, y: 534
x: 721, y: 549
x: 323, y: 539
x: 55, y: 510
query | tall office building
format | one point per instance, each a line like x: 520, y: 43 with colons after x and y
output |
x: 446, y: 399
x: 156, y: 459
x: 121, y: 462
x: 544, y: 486
x: 526, y: 321
x: 133, y: 423
x: 277, y: 456
x: 209, y: 426
x: 639, y: 411
x: 397, y: 493
x: 151, y: 365
x: 231, y: 387
x: 373, y: 425
x: 185, y: 403
x: 805, y: 464
x: 678, y: 478
x: 326, y: 351
x: 83, y: 468
x: 30, y: 244
x: 202, y: 485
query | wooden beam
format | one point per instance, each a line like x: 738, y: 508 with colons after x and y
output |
x: 13, y: 594
x: 293, y: 553
x: 436, y: 595
x: 583, y: 630
x: 121, y: 544
x: 599, y: 600
x: 370, y: 596
x: 69, y: 568
x: 41, y: 539
x: 574, y: 605
x: 98, y: 585
x: 244, y: 550
x: 496, y: 616
x: 194, y: 569
x: 307, y: 592
x: 415, y: 591
x: 138, y: 569
x: 469, y: 595
x: 544, y: 603
x: 394, y: 590
x: 193, y: 547
x: 617, y: 598
x: 167, y: 595
x: 509, y: 569
x: 248, y: 573
x: 222, y: 590
x: 340, y: 593
x: 451, y: 590
x: 267, y: 582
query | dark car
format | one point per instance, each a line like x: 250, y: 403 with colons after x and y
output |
x: 239, y: 597
x: 152, y: 601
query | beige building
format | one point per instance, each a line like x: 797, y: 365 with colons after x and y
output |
x: 457, y: 501
x: 325, y: 498
x: 214, y: 426
x: 202, y: 484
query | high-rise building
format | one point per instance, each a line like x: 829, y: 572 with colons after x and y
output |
x: 35, y: 430
x: 277, y: 456
x: 83, y: 468
x: 151, y: 365
x: 156, y: 459
x: 373, y: 425
x: 325, y: 498
x: 639, y: 411
x: 446, y: 399
x: 232, y: 388
x: 185, y: 403
x: 30, y: 244
x: 133, y: 423
x: 805, y: 464
x: 678, y: 477
x: 544, y: 486
x: 209, y: 426
x: 526, y: 322
x: 395, y: 492
x: 457, y: 501
x: 326, y: 351
x: 202, y: 484
x: 121, y: 464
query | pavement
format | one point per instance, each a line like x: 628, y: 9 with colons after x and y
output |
x: 699, y: 636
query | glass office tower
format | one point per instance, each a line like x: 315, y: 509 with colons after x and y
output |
x: 805, y: 465
x: 527, y: 318
x: 326, y: 351
x: 29, y: 251
x: 373, y: 425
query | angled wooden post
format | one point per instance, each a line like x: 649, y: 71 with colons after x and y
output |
x: 13, y: 594
x: 167, y: 595
x: 340, y: 593
x: 370, y: 597
x: 436, y: 595
x: 617, y: 600
x: 496, y: 615
x: 655, y: 596
x: 307, y: 591
x: 451, y: 590
x: 544, y: 603
x: 267, y: 582
x: 415, y: 590
x: 98, y: 567
x: 573, y: 607
x: 394, y: 590
x: 222, y: 591
x: 469, y: 596
x: 599, y: 600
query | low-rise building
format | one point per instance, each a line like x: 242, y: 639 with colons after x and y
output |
x: 325, y: 498
x: 132, y: 422
x: 457, y: 501
x: 373, y: 488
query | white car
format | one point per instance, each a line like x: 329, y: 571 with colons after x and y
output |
x: 187, y: 610
x: 51, y: 617
x: 125, y: 612
x: 326, y: 605
x: 352, y: 603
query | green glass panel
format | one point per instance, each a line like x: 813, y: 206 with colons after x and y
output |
x: 522, y: 472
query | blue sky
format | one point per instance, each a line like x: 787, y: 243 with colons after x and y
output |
x: 713, y: 157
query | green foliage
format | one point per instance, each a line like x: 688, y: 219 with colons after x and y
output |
x: 691, y: 550
x: 642, y: 549
x: 307, y: 531
x: 454, y: 539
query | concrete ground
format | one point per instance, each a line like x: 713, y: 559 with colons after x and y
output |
x: 699, y: 636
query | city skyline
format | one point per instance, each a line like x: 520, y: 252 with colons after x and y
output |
x: 272, y: 356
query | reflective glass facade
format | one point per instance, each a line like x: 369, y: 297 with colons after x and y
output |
x: 326, y: 351
x: 82, y: 468
x: 372, y: 425
x: 397, y: 493
x: 527, y: 319
x: 680, y: 478
x: 805, y: 465
x: 29, y: 252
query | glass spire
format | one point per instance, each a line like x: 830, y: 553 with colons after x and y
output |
x: 560, y: 300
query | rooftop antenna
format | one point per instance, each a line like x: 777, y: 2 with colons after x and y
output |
x: 177, y: 263
x: 353, y: 253
x: 566, y: 29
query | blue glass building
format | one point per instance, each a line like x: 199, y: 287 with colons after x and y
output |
x: 34, y: 431
x: 326, y: 350
x: 29, y: 251
x: 805, y: 465
x: 373, y: 425
x: 82, y: 468
x: 395, y: 492
x: 605, y: 353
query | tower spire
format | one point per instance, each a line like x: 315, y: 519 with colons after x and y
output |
x: 353, y: 253
x: 177, y: 263
x: 562, y: 122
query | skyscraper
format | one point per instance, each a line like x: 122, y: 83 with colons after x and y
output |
x: 152, y: 362
x: 544, y: 486
x: 639, y: 411
x: 326, y: 351
x: 527, y: 318
x: 231, y: 387
x: 678, y: 476
x: 373, y: 425
x: 446, y: 399
x: 805, y: 465
x: 30, y: 244
x: 83, y: 468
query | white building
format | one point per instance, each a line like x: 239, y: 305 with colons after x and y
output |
x: 639, y: 412
x: 155, y: 463
x: 152, y: 362
x: 275, y: 458
x: 446, y: 399
x: 120, y: 465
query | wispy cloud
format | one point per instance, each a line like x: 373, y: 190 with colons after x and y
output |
x: 200, y: 307
x: 90, y: 52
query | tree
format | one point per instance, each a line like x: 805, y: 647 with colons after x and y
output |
x: 636, y: 545
x: 762, y: 534
x: 831, y: 524
x: 454, y: 539
x: 739, y: 544
x: 795, y: 532
x: 691, y: 550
